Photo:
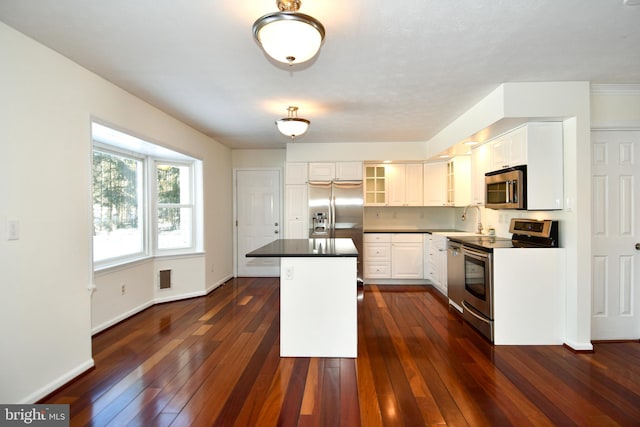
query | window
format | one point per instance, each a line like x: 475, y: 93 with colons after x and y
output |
x: 174, y: 206
x: 145, y: 199
x: 118, y: 223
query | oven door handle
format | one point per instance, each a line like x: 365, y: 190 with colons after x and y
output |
x: 472, y: 311
x: 475, y: 253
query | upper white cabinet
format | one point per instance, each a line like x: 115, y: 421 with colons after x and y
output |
x: 480, y: 158
x: 459, y: 181
x: 296, y: 173
x: 375, y: 185
x: 435, y: 184
x: 538, y: 145
x: 322, y: 171
x: 405, y: 184
x: 509, y: 150
x: 340, y: 171
x: 349, y: 171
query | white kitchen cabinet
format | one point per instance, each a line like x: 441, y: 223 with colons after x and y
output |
x: 405, y: 184
x: 524, y: 281
x: 509, y: 150
x: 480, y: 158
x: 393, y: 256
x: 375, y: 185
x: 459, y: 181
x: 407, y: 256
x: 435, y: 184
x: 436, y: 261
x: 539, y: 146
x: 349, y: 171
x: 322, y: 171
x: 339, y: 171
x: 296, y: 212
x: 296, y: 173
x: 377, y: 255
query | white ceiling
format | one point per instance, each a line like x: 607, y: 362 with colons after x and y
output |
x: 387, y: 71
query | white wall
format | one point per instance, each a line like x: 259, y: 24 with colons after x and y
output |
x: 348, y: 151
x: 45, y: 115
x: 268, y: 158
x: 615, y: 106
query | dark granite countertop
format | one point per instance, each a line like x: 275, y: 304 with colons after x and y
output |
x: 296, y: 248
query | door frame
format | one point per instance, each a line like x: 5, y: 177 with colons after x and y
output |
x: 234, y: 219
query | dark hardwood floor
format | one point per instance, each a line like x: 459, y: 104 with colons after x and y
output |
x: 215, y: 361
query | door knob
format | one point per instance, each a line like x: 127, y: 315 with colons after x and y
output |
x: 275, y: 231
x: 276, y: 224
x: 638, y: 246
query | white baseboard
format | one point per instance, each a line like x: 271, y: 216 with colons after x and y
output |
x: 579, y: 346
x: 148, y: 304
x: 218, y: 284
x: 178, y: 297
x: 121, y: 317
x: 57, y: 383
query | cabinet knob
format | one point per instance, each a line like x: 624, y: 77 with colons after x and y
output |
x: 638, y: 246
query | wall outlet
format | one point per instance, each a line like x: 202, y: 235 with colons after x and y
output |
x: 123, y: 289
x: 288, y: 273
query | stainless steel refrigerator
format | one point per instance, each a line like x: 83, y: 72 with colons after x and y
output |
x: 336, y: 210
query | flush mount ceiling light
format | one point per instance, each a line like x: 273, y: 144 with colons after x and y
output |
x: 292, y: 125
x: 288, y: 36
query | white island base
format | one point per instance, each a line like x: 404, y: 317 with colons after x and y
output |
x: 318, y: 307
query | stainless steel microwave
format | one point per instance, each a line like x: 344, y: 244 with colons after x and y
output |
x: 506, y: 188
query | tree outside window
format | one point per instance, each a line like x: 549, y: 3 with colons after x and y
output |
x: 175, y: 205
x: 117, y: 223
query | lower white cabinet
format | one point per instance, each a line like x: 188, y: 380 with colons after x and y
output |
x: 377, y: 255
x: 393, y: 256
x: 435, y: 256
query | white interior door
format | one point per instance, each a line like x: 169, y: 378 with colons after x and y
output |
x: 616, y: 220
x: 258, y: 220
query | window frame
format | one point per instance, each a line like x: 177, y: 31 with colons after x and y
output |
x: 157, y: 205
x: 141, y: 208
x: 150, y: 155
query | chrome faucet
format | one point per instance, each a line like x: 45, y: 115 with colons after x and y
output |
x: 464, y: 216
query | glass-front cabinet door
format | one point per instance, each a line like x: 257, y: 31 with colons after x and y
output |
x: 375, y: 185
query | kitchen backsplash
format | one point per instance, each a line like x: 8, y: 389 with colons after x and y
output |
x: 499, y: 220
x: 402, y: 217
x: 409, y: 217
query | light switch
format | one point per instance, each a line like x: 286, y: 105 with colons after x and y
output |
x: 13, y: 229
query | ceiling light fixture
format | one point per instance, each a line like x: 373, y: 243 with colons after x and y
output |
x: 288, y: 36
x: 292, y: 125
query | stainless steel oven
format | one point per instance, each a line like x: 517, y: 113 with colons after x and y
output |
x: 478, y: 289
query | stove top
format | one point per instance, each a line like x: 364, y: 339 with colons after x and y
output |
x: 484, y: 242
x: 527, y: 233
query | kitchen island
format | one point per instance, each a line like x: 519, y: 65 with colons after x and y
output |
x: 318, y: 296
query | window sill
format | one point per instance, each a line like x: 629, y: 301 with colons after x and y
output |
x: 130, y: 263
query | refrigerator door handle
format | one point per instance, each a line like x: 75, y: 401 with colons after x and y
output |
x: 333, y: 214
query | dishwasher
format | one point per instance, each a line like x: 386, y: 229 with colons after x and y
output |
x: 455, y: 274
